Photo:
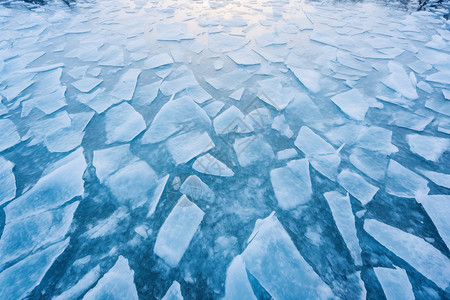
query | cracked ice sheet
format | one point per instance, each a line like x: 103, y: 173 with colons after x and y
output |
x: 7, y: 181
x: 438, y: 208
x: 395, y: 283
x: 345, y: 221
x: 39, y: 230
x: 186, y: 146
x: 117, y: 283
x: 9, y: 136
x: 292, y: 184
x: 176, y: 116
x: 296, y: 279
x: 178, y: 229
x: 123, y: 123
x: 414, y: 250
x: 20, y: 279
x: 60, y: 183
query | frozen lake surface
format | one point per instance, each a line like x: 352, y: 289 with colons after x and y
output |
x: 223, y: 149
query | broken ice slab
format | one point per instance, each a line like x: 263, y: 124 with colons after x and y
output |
x: 402, y: 182
x: 438, y: 208
x: 174, y: 292
x: 174, y: 31
x: 429, y: 147
x: 131, y: 184
x: 20, y: 279
x: 292, y: 184
x: 320, y: 153
x: 353, y: 103
x: 146, y: 94
x: 371, y: 163
x: 123, y: 123
x: 185, y: 147
x: 399, y: 81
x: 180, y: 79
x: 87, y: 281
x: 395, y: 283
x: 237, y: 94
x: 345, y: 221
x: 414, y: 250
x: 296, y: 279
x: 87, y: 84
x: 376, y: 138
x: 357, y: 186
x: 68, y: 138
x: 252, y: 149
x: 259, y: 118
x: 157, y: 61
x: 405, y: 119
x: 117, y: 283
x: 309, y: 78
x: 237, y: 285
x: 274, y: 93
x: 177, y: 231
x: 213, y: 108
x: 27, y: 235
x: 442, y: 77
x: 109, y: 160
x: 9, y: 136
x: 47, y: 103
x: 267, y: 39
x: 7, y: 181
x: 59, y: 183
x: 280, y: 125
x: 231, y: 120
x: 229, y: 81
x: 176, y: 116
x: 157, y: 193
x: 441, y: 179
x: 245, y: 57
x: 124, y: 88
x: 208, y: 164
x: 222, y: 42
x: 286, y: 154
x: 310, y: 143
x: 196, y: 189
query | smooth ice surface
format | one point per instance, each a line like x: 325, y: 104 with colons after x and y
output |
x: 117, y: 283
x: 292, y: 184
x: 415, y: 251
x: 296, y: 278
x: 357, y: 186
x: 123, y: 123
x: 178, y: 229
x: 345, y: 221
x: 7, y: 181
x: 395, y: 283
